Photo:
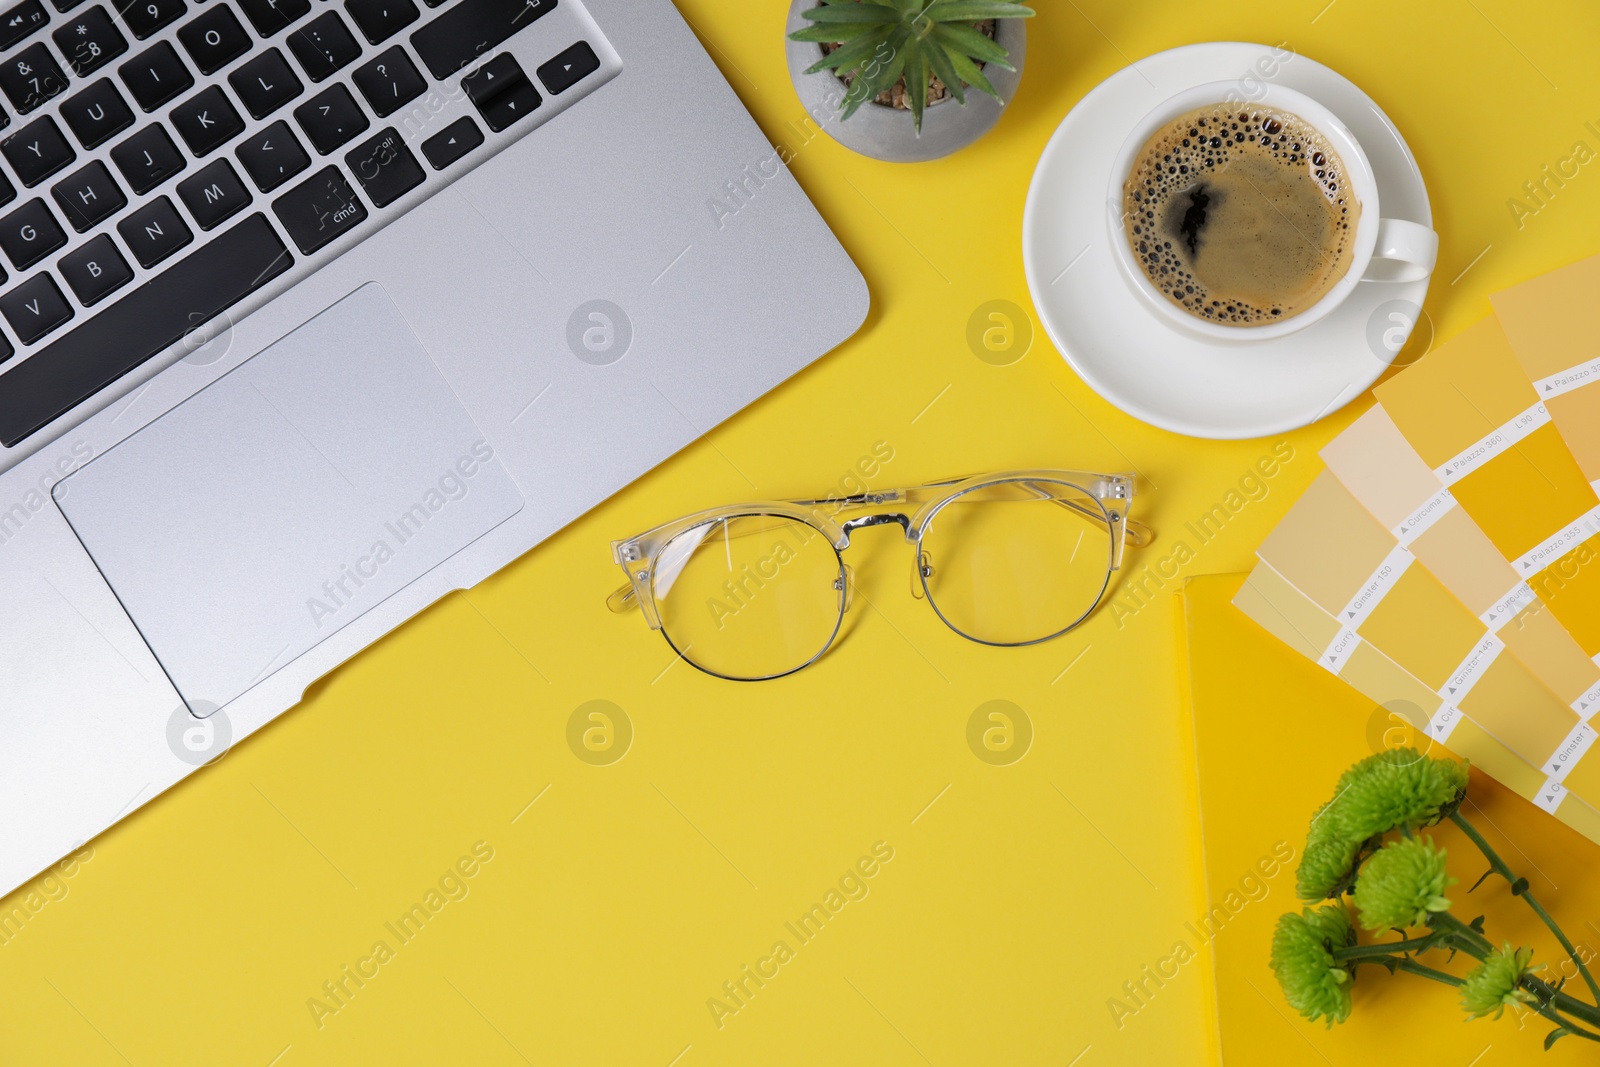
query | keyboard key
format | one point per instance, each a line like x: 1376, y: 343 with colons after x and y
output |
x: 323, y: 45
x: 37, y: 151
x: 472, y: 28
x: 31, y: 77
x: 206, y: 120
x: 270, y: 16
x: 6, y: 351
x: 90, y: 41
x: 88, y: 196
x: 452, y: 142
x: 64, y: 6
x: 500, y: 91
x: 97, y: 114
x: 265, y: 83
x: 34, y: 308
x: 389, y: 82
x: 569, y: 68
x: 146, y: 17
x: 8, y: 193
x: 331, y: 118
x: 214, y: 194
x: 30, y: 233
x: 17, y: 22
x: 272, y: 156
x: 214, y: 39
x: 385, y: 168
x: 147, y: 159
x: 380, y: 20
x: 142, y: 323
x: 319, y: 209
x: 155, y: 75
x: 154, y: 232
x: 96, y: 270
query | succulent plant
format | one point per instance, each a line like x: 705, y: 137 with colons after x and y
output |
x: 879, y: 41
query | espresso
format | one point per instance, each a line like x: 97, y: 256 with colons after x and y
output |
x: 1240, y: 215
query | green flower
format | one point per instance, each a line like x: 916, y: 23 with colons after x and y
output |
x: 1396, y: 787
x: 1492, y: 985
x: 1314, y: 983
x: 1401, y: 883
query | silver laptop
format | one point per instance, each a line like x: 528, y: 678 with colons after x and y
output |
x: 317, y: 310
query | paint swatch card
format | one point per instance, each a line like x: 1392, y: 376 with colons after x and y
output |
x: 1470, y: 413
x: 1375, y: 463
x: 1287, y: 613
x: 1554, y: 327
x: 1341, y: 558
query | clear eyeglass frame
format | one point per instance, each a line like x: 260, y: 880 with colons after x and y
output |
x: 1101, y: 498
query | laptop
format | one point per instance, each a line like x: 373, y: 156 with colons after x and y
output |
x: 317, y: 310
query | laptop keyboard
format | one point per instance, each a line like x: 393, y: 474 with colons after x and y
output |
x: 165, y: 160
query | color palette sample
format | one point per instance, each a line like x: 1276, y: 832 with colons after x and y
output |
x: 1554, y: 328
x: 1376, y: 464
x: 1331, y: 549
x: 1470, y: 413
x: 1277, y: 606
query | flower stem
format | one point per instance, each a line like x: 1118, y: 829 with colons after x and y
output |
x: 1385, y: 948
x: 1462, y: 936
x: 1411, y: 966
x: 1500, y: 868
x: 1548, y: 994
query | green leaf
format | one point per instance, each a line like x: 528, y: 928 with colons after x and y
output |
x: 876, y: 14
x: 939, y: 60
x: 970, y: 42
x: 877, y: 74
x: 974, y: 10
x: 835, y: 34
x: 917, y: 84
x: 1555, y: 1035
x: 968, y: 72
x: 848, y: 57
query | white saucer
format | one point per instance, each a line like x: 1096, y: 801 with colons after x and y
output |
x: 1150, y: 369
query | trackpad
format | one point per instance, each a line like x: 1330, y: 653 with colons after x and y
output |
x: 288, y: 498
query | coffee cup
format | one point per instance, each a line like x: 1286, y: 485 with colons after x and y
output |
x: 1381, y: 249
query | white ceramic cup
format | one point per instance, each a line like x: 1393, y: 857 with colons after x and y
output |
x: 1383, y: 250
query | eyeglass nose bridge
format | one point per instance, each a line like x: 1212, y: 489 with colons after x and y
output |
x: 886, y: 519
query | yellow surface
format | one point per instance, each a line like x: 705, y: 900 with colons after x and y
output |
x: 618, y: 904
x: 1240, y: 721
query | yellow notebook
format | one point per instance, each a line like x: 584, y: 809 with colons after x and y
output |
x: 1272, y: 733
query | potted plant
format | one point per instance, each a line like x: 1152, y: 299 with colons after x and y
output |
x: 890, y: 78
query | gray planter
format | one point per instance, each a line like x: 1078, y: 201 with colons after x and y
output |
x: 887, y: 133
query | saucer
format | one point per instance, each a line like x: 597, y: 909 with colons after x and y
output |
x: 1153, y: 370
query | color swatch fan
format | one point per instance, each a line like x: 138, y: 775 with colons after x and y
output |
x: 1444, y: 565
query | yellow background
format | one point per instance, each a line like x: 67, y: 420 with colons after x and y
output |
x: 1016, y: 904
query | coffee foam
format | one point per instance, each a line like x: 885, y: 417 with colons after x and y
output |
x: 1240, y: 217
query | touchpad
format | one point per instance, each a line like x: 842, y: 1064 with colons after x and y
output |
x: 288, y: 498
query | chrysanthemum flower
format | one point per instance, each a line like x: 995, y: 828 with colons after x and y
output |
x: 1492, y: 985
x: 1401, y: 883
x: 1313, y: 982
x: 1396, y: 787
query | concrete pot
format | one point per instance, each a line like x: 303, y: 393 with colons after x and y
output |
x: 887, y: 133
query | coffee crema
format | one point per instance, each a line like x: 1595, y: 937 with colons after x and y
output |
x: 1240, y: 215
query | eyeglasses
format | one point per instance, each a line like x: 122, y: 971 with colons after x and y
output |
x: 754, y: 591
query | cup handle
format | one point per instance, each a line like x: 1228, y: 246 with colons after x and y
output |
x: 1405, y: 252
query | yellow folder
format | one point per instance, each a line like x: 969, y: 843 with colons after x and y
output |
x: 1272, y: 732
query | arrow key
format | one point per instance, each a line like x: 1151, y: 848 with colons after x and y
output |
x: 568, y: 68
x: 452, y: 142
x: 501, y: 92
